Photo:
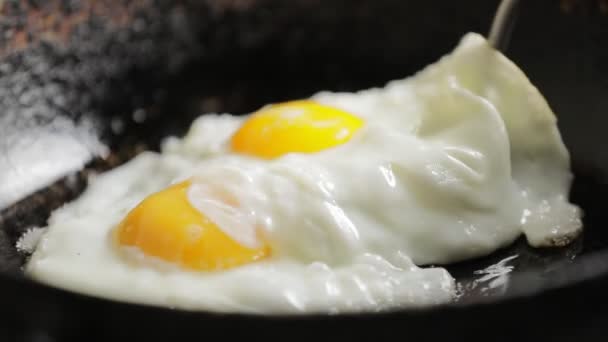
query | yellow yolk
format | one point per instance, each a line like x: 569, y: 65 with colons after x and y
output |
x: 296, y: 126
x: 166, y: 226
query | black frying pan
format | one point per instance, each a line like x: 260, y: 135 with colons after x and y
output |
x: 142, y: 70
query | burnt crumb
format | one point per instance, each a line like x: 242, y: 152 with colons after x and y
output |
x: 11, y: 260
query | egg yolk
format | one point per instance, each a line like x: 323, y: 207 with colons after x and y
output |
x: 166, y: 226
x: 296, y: 126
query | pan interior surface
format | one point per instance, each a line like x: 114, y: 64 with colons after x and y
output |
x: 154, y: 108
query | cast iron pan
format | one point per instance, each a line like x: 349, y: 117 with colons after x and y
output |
x: 128, y: 73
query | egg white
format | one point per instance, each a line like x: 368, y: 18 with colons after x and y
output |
x: 452, y: 163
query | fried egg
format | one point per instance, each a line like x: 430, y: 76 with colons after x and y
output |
x: 338, y: 203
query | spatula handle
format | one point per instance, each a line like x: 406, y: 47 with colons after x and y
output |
x: 502, y: 26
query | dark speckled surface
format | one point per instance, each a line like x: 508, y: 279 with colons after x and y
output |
x: 106, y: 65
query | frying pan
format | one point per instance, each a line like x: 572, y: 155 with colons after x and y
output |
x: 86, y: 85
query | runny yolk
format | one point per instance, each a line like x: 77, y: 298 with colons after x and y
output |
x: 296, y: 126
x: 166, y: 226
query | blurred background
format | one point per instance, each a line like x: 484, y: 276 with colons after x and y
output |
x: 131, y: 72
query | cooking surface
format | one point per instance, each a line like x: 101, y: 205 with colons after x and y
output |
x: 144, y: 75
